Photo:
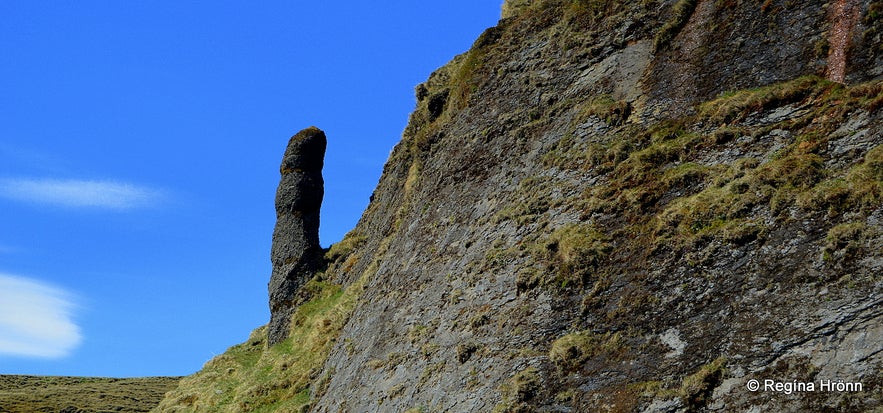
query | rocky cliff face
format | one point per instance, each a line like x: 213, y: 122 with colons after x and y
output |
x: 609, y: 206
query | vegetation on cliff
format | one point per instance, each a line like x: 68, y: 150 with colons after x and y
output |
x: 661, y: 196
x: 602, y: 206
x: 285, y: 377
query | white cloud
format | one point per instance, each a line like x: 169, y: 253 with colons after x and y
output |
x: 35, y: 319
x: 80, y: 193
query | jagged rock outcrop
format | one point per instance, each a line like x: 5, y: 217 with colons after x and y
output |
x: 610, y: 206
x: 295, y: 253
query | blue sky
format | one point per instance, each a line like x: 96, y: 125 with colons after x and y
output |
x: 139, y: 151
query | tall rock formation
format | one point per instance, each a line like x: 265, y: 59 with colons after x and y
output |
x: 296, y: 253
x: 610, y: 206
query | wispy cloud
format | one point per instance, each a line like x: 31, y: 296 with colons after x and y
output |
x: 80, y: 193
x: 36, y: 319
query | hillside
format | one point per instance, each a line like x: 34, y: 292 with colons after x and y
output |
x: 607, y: 206
x: 30, y: 394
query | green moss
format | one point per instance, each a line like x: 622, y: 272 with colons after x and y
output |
x: 873, y: 166
x: 613, y: 112
x: 466, y: 79
x: 666, y: 130
x: 736, y: 106
x: 571, y: 255
x: 875, y: 12
x: 680, y: 15
x: 686, y: 175
x: 341, y: 250
x: 860, y: 189
x: 787, y: 178
x: 519, y: 389
x: 563, y: 155
x: 571, y: 351
x: 844, y: 241
x: 674, y: 147
x: 822, y: 48
x: 418, y: 334
x: 579, y: 249
x: 724, y: 210
x: 533, y: 199
x: 640, y: 181
x: 873, y: 23
x: 652, y: 180
x: 696, y: 389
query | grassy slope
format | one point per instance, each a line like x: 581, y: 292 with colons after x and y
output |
x: 81, y: 394
x: 250, y: 377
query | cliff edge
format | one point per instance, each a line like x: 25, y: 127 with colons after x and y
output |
x: 608, y: 206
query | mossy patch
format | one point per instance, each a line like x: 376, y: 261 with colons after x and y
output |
x: 466, y: 78
x: 680, y: 15
x: 569, y: 352
x: 576, y: 250
x: 859, y: 189
x: 534, y: 199
x: 568, y: 258
x: 520, y: 389
x: 341, y: 250
x: 611, y: 111
x: 735, y: 106
x: 696, y: 389
x: 844, y: 241
x: 658, y: 183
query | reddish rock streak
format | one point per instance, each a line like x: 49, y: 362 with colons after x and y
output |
x: 844, y: 16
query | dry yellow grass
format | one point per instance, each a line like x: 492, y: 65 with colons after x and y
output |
x: 250, y: 377
x: 27, y: 394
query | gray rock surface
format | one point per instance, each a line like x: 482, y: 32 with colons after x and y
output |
x: 295, y: 253
x: 466, y: 190
x: 577, y: 220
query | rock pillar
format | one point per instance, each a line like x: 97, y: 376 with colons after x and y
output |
x: 296, y: 254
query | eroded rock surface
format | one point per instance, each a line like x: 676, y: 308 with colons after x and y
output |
x: 610, y: 206
x: 296, y: 253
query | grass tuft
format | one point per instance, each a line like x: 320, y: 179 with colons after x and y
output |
x: 571, y: 351
x: 680, y: 15
x: 696, y: 388
x: 735, y: 106
x: 571, y: 255
x: 518, y: 390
